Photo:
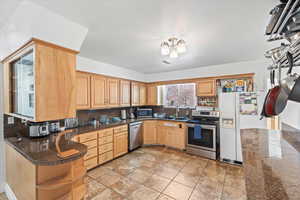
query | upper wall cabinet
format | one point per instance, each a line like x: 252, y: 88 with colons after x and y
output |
x: 152, y: 95
x: 104, y: 92
x: 135, y: 94
x: 124, y: 93
x: 138, y: 94
x: 206, y: 87
x: 83, y: 85
x: 40, y: 82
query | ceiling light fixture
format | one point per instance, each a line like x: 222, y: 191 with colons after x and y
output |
x: 173, y: 47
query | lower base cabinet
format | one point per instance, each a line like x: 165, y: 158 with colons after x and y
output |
x: 104, y: 145
x: 150, y: 132
x: 171, y: 134
x: 120, y: 141
x: 38, y: 182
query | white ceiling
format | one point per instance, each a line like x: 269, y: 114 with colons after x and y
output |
x: 128, y: 33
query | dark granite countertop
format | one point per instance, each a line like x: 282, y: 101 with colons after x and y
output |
x: 42, y: 151
x: 271, y: 164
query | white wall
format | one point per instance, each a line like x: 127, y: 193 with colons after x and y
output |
x: 257, y: 67
x: 1, y: 133
x: 30, y: 20
x: 89, y: 65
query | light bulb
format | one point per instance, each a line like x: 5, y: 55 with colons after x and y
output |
x: 181, y: 47
x: 173, y: 53
x: 165, y: 50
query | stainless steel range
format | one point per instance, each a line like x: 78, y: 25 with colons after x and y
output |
x: 203, y: 134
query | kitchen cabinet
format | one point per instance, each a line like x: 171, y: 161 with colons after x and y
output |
x: 44, y: 182
x: 104, y: 92
x: 124, y: 93
x: 171, y: 134
x: 113, y: 92
x: 152, y: 95
x: 40, y: 82
x: 206, y: 87
x: 150, y: 132
x: 98, y: 91
x: 143, y: 95
x: 120, y: 141
x: 135, y: 94
x: 83, y: 90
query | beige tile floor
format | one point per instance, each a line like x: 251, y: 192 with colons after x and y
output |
x: 152, y: 173
x: 3, y: 197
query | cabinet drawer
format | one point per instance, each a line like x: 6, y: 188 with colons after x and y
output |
x: 121, y: 129
x: 88, y: 136
x: 105, y: 140
x: 91, y: 163
x: 91, y: 144
x: 106, y: 132
x: 90, y: 153
x: 105, y: 157
x: 105, y: 148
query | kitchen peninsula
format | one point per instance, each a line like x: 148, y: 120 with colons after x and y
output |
x: 271, y: 163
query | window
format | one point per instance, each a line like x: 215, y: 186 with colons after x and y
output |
x: 181, y: 95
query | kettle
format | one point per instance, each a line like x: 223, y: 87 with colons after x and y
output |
x: 123, y: 114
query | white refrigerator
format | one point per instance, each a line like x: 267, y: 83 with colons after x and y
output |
x: 238, y: 110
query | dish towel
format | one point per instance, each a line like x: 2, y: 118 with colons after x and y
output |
x: 197, y: 132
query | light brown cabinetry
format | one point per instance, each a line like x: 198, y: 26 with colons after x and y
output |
x: 105, y: 142
x: 38, y: 182
x: 152, y: 95
x: 120, y: 141
x: 98, y: 92
x: 83, y: 90
x: 47, y: 88
x: 135, y: 94
x: 206, y: 87
x: 171, y: 134
x: 124, y: 93
x: 143, y: 95
x: 105, y: 92
x: 150, y: 132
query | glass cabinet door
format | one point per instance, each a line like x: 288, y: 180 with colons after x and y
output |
x: 22, y: 82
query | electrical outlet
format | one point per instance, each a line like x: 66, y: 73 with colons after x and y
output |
x: 10, y: 120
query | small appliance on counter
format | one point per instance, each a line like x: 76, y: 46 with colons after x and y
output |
x: 54, y: 127
x: 144, y: 113
x: 71, y: 123
x: 38, y: 129
x: 123, y: 114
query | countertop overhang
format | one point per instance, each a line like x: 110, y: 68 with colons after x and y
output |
x: 42, y: 151
x: 271, y: 164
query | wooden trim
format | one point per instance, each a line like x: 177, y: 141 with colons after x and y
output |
x: 37, y: 41
x: 194, y: 80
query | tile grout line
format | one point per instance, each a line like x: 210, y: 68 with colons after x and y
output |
x: 197, y: 182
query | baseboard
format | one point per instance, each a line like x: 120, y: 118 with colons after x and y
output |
x: 9, y: 193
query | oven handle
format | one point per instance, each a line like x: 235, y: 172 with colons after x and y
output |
x: 202, y: 126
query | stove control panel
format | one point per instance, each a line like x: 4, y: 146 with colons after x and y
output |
x: 199, y: 113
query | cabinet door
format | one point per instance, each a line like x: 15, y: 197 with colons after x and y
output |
x: 150, y: 132
x: 206, y: 87
x: 178, y: 138
x: 143, y: 93
x: 113, y: 96
x: 120, y: 144
x: 161, y: 135
x: 83, y: 89
x: 135, y: 94
x: 152, y: 95
x: 125, y: 93
x: 98, y: 91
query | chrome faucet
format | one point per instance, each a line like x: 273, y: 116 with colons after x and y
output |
x: 177, y: 111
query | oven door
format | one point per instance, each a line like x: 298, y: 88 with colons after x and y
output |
x: 207, y: 140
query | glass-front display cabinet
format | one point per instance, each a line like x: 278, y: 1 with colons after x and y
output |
x: 40, y: 82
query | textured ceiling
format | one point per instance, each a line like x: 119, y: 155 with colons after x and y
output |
x: 128, y: 33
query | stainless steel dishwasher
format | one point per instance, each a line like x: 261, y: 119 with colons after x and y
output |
x: 135, y: 135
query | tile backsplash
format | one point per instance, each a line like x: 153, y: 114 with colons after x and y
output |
x: 84, y: 116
